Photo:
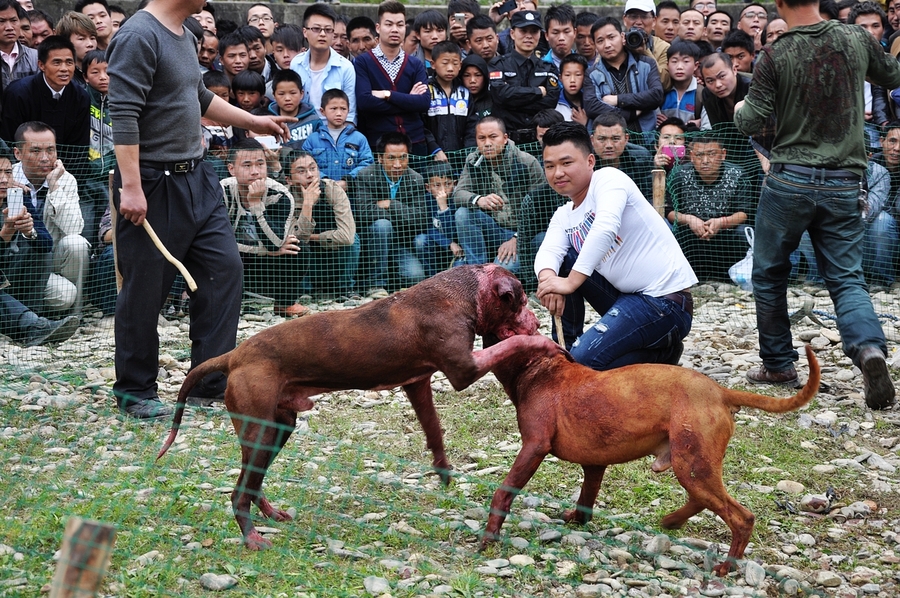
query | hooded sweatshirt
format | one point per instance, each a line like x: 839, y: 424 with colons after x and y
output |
x: 480, y: 104
x: 307, y: 121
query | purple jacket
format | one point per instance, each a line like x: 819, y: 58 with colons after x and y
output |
x: 403, y: 111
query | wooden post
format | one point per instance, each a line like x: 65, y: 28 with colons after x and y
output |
x: 86, y: 550
x: 659, y: 190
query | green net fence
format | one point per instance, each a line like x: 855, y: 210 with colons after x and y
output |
x: 368, y: 515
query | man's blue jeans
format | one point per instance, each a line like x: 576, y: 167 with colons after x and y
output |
x: 829, y: 210
x: 480, y: 237
x: 389, y: 255
x: 332, y: 270
x: 880, y: 249
x: 633, y: 328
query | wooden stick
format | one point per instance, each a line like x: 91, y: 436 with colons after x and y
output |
x: 114, y: 220
x: 659, y: 190
x: 84, y: 558
x: 169, y: 257
x: 557, y: 321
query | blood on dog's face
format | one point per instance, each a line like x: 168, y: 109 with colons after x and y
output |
x: 502, y: 305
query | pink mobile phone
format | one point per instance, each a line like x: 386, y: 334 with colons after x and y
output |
x: 673, y: 151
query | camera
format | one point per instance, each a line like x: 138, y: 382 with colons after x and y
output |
x: 635, y: 38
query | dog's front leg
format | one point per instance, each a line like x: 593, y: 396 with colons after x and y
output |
x: 472, y: 367
x: 422, y: 401
x: 584, y: 507
x: 523, y: 469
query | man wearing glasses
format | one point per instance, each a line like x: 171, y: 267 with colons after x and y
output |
x: 704, y: 7
x: 260, y: 16
x: 753, y: 21
x: 322, y: 68
x: 642, y: 14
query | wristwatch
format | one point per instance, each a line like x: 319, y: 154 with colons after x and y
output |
x: 32, y: 235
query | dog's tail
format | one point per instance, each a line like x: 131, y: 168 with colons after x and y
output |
x: 775, y: 405
x: 216, y: 364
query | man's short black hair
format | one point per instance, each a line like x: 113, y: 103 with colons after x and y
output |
x: 248, y: 80
x: 249, y: 33
x: 286, y: 76
x: 563, y: 14
x: 711, y: 60
x: 98, y: 56
x: 480, y: 22
x: 547, y: 118
x: 392, y: 7
x: 739, y: 39
x: 867, y: 8
x: 79, y: 6
x: 441, y: 170
x: 321, y: 9
x: 7, y: 4
x: 722, y: 12
x: 193, y: 25
x: 53, y: 43
x: 289, y: 35
x: 610, y: 119
x: 673, y: 121
x: 463, y: 6
x: 392, y: 138
x: 576, y: 58
x: 683, y: 47
x: 116, y: 8
x: 706, y: 136
x: 208, y: 7
x: 232, y: 39
x: 828, y: 8
x: 705, y: 47
x: 218, y: 79
x: 433, y: 19
x: 891, y: 126
x: 573, y: 132
x: 333, y: 94
x: 251, y: 7
x: 32, y: 126
x: 493, y: 119
x: 585, y: 19
x: 603, y: 22
x: 751, y: 5
x: 248, y: 144
x: 667, y: 4
x: 362, y: 22
x: 37, y: 15
x: 445, y: 47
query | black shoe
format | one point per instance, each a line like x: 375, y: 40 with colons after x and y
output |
x: 204, y: 396
x: 675, y: 351
x: 149, y: 408
x: 876, y: 380
x: 50, y: 331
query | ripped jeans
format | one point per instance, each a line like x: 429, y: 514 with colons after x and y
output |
x: 633, y: 327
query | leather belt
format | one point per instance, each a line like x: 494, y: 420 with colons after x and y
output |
x: 820, y: 173
x: 181, y: 167
x: 684, y: 299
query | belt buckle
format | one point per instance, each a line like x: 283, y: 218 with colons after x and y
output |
x: 182, y: 167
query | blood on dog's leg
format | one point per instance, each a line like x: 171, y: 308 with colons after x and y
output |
x: 422, y: 401
x: 584, y: 507
x: 527, y: 462
x: 481, y: 362
x: 249, y: 483
x: 287, y: 422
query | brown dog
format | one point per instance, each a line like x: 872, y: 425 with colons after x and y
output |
x: 597, y: 419
x: 398, y: 341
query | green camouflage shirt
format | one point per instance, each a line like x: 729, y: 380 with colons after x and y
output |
x: 812, y: 79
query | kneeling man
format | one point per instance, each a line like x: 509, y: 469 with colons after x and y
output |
x: 609, y: 247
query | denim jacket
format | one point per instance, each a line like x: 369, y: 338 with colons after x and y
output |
x: 647, y: 95
x: 341, y: 160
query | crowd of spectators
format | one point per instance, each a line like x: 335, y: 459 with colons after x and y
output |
x: 415, y: 141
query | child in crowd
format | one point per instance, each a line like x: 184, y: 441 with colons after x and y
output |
x: 431, y: 29
x: 249, y: 90
x: 680, y: 101
x: 572, y: 70
x: 545, y: 119
x: 218, y: 137
x: 287, y: 42
x: 437, y: 248
x: 81, y: 31
x: 339, y: 149
x: 670, y: 143
x: 475, y: 77
x: 287, y: 87
x: 93, y: 187
x: 447, y: 118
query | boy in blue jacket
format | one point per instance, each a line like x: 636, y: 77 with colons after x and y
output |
x: 437, y: 248
x: 339, y: 149
x: 287, y: 87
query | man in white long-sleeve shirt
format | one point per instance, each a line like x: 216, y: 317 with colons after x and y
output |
x: 609, y: 247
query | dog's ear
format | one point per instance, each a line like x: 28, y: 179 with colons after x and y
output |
x: 508, y: 289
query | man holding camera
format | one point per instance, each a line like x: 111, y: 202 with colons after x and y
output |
x: 521, y: 84
x: 626, y: 81
x: 640, y: 15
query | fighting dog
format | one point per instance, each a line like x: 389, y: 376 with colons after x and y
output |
x: 398, y: 341
x: 597, y: 419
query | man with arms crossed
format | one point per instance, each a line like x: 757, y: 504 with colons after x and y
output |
x: 609, y: 247
x: 156, y: 100
x: 816, y: 183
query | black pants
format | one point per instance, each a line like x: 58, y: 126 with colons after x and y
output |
x: 188, y: 213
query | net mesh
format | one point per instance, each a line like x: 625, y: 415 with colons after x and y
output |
x: 355, y: 476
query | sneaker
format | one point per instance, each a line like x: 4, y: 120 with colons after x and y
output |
x: 149, y: 409
x: 876, y: 379
x: 763, y: 375
x: 294, y: 311
x: 377, y: 293
x: 49, y: 331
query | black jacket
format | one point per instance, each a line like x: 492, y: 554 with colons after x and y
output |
x: 514, y: 87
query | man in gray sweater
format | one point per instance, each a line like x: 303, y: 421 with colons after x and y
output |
x: 156, y: 99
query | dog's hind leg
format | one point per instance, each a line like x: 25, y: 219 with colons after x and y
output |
x: 422, y: 400
x: 287, y: 422
x: 584, y: 507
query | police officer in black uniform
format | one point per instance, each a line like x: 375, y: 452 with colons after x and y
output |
x: 521, y: 84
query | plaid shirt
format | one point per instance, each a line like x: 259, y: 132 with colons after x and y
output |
x: 391, y: 66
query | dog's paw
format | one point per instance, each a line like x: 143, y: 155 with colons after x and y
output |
x: 723, y: 568
x: 486, y: 539
x: 575, y: 516
x: 255, y: 541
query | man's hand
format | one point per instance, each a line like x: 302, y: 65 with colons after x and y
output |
x: 661, y: 160
x: 383, y: 94
x: 22, y: 223
x: 418, y: 89
x: 611, y: 100
x: 507, y: 251
x: 384, y: 204
x: 133, y: 203
x: 54, y: 176
x: 312, y: 192
x: 273, y: 125
x: 255, y: 192
x: 440, y: 156
x: 491, y: 202
x: 738, y: 106
x: 457, y: 32
x: 579, y: 115
x: 456, y: 249
x: 554, y: 303
x: 290, y: 247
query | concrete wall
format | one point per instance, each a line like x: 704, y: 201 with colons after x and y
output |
x: 293, y: 13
